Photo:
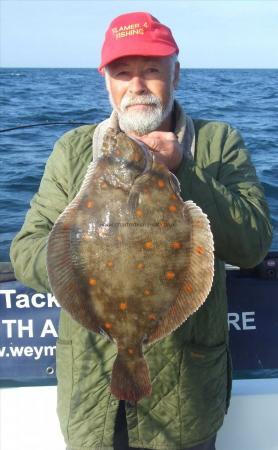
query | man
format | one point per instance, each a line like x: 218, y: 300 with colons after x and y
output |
x: 190, y: 369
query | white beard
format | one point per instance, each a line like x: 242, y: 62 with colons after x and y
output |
x: 142, y: 122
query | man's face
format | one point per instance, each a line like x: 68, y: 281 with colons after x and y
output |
x: 141, y: 89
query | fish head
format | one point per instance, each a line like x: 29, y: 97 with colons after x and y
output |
x: 126, y: 150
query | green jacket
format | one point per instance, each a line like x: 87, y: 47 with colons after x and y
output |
x: 190, y: 369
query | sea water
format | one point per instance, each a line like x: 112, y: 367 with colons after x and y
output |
x: 247, y: 99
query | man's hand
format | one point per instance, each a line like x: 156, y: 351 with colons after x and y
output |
x: 166, y: 147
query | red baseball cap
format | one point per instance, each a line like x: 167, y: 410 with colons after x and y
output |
x: 136, y: 34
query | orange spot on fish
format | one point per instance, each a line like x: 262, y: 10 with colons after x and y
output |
x: 66, y: 226
x: 148, y: 245
x: 119, y: 238
x: 108, y: 325
x: 147, y: 292
x: 161, y: 184
x: 118, y: 152
x: 90, y: 204
x: 199, y: 250
x: 140, y: 266
x: 103, y: 185
x: 109, y: 264
x: 136, y: 157
x: 163, y: 224
x: 92, y: 281
x: 172, y: 208
x: 188, y: 288
x: 170, y: 275
x: 139, y: 212
x: 152, y: 317
x: 160, y: 166
x: 176, y: 245
x: 173, y: 197
x: 123, y: 306
x: 130, y: 351
x: 146, y: 190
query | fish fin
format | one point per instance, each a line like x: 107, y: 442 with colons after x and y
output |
x: 174, y: 183
x: 198, y: 274
x: 63, y: 276
x: 133, y: 200
x: 130, y: 378
x: 137, y: 189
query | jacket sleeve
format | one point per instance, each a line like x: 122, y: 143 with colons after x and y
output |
x: 233, y: 201
x: 28, y: 249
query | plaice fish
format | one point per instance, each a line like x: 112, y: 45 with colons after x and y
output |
x: 128, y: 258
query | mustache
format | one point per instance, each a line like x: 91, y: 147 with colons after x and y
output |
x: 148, y: 99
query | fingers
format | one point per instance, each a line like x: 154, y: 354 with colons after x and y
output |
x: 152, y: 142
x: 167, y: 135
x: 159, y: 136
x: 165, y: 144
x: 157, y: 139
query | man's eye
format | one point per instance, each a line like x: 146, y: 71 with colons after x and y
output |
x: 152, y: 70
x: 122, y: 73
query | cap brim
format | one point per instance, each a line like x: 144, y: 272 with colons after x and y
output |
x: 163, y: 50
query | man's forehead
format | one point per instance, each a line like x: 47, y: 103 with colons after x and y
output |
x: 129, y: 60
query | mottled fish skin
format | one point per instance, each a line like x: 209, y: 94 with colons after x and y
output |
x: 129, y: 258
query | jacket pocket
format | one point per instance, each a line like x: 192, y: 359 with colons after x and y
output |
x: 203, y: 390
x: 64, y: 370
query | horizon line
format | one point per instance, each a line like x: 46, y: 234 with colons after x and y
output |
x: 95, y: 68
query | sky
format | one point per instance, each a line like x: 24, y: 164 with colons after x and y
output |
x: 69, y: 33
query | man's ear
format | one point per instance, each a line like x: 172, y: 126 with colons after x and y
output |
x: 107, y: 81
x: 176, y: 74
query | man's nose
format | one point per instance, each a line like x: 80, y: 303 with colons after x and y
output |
x: 137, y: 86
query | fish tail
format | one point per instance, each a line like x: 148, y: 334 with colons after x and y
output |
x: 130, y: 378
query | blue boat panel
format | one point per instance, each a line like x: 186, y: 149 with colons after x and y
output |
x: 29, y: 325
x: 28, y: 332
x: 253, y: 324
